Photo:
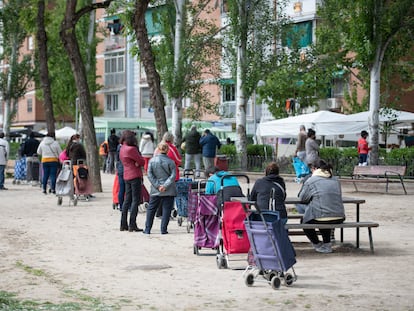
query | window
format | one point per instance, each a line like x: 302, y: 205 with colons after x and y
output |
x: 112, y: 102
x: 300, y: 35
x: 229, y: 92
x: 29, y: 105
x: 114, y: 69
x: 145, y: 98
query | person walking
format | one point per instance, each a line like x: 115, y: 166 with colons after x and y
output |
x: 133, y: 162
x: 193, y: 150
x: 312, y: 148
x: 113, y: 141
x: 4, y: 153
x: 363, y: 149
x: 323, y: 195
x: 161, y: 174
x: 209, y: 144
x: 147, y: 148
x: 300, y: 144
x: 49, y: 149
x: 75, y: 150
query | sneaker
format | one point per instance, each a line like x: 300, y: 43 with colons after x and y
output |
x: 318, y: 245
x: 325, y: 248
x: 4, y: 188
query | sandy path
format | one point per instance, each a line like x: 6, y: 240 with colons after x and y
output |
x: 59, y: 253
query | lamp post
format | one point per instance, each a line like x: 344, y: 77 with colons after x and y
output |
x: 260, y: 83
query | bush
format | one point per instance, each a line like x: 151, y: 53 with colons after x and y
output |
x: 259, y: 150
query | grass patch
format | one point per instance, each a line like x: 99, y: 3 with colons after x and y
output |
x: 30, y: 270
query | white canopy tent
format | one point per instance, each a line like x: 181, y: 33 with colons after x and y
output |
x: 65, y: 133
x: 325, y: 123
x: 401, y: 118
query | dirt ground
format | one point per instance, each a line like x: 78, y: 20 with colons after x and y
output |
x: 67, y: 254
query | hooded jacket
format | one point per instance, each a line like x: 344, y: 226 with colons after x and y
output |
x: 209, y: 144
x: 261, y: 193
x: 146, y: 146
x: 49, y: 149
x: 132, y: 162
x: 323, y: 196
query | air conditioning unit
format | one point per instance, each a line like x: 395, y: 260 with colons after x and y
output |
x: 333, y: 103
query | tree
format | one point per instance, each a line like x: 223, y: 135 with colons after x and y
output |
x: 193, y: 40
x: 19, y: 70
x: 136, y: 21
x: 254, y: 29
x: 71, y: 45
x: 367, y: 35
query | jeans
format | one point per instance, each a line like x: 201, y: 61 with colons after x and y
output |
x: 167, y: 204
x: 121, y: 192
x: 197, y: 161
x: 2, y: 169
x: 131, y: 202
x: 49, y: 171
x: 208, y: 162
x: 111, y: 162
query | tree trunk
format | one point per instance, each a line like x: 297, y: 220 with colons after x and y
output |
x: 176, y: 103
x: 374, y: 105
x: 148, y: 60
x: 43, y: 67
x: 241, y: 139
x: 70, y: 43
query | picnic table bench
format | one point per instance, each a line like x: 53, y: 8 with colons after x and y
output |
x: 293, y: 228
x: 377, y: 174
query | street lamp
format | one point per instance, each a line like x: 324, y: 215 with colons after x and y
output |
x: 260, y: 83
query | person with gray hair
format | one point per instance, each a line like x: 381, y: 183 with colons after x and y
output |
x: 193, y: 150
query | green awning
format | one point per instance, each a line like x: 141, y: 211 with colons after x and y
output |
x: 111, y: 18
x: 226, y: 81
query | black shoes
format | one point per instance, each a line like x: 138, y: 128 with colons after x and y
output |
x: 136, y: 229
x: 123, y: 228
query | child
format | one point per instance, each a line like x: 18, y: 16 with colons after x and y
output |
x: 363, y: 149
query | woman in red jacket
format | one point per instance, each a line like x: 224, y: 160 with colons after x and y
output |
x: 173, y: 153
x: 133, y: 162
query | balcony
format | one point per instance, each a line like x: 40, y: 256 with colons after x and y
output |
x: 114, y: 80
x: 114, y: 42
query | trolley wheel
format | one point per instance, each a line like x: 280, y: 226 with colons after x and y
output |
x: 289, y: 279
x: 174, y: 213
x: 249, y: 280
x: 195, y: 250
x: 113, y: 206
x: 60, y: 199
x: 146, y: 205
x: 180, y: 221
x: 270, y: 276
x: 221, y: 262
x: 14, y: 181
x: 188, y: 227
x: 75, y: 200
x: 275, y: 282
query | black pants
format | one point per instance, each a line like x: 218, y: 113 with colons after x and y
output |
x: 326, y: 233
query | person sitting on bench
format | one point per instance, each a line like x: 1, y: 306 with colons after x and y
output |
x: 323, y: 195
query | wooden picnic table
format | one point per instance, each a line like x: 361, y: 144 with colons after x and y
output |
x: 345, y: 200
x: 295, y: 200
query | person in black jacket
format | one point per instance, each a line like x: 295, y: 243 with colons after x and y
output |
x: 29, y: 150
x: 193, y: 150
x: 113, y: 142
x: 264, y: 187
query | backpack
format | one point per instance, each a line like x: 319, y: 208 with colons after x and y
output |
x: 83, y: 173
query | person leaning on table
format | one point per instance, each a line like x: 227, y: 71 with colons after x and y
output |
x: 323, y: 195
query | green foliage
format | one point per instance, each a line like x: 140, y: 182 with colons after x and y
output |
x: 228, y: 150
x: 329, y: 153
x: 259, y: 150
